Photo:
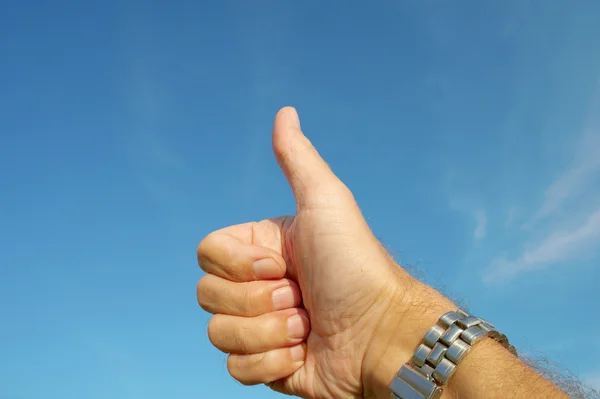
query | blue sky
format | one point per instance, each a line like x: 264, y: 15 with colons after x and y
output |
x: 469, y: 133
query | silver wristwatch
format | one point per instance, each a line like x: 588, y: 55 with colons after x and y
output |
x: 443, y: 347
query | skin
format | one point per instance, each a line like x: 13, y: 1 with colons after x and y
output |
x: 312, y: 305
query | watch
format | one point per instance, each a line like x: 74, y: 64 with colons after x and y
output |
x: 436, y: 358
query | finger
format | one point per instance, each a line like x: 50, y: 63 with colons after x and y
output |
x: 308, y: 174
x: 263, y: 368
x: 227, y: 257
x: 217, y: 295
x: 266, y: 233
x: 246, y: 335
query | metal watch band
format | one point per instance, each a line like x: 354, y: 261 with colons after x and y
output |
x: 442, y: 349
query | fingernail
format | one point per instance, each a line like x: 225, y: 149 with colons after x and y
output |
x: 297, y: 353
x: 283, y: 298
x: 266, y: 268
x: 296, y: 326
x: 293, y: 118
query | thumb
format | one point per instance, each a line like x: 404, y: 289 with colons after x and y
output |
x: 310, y: 177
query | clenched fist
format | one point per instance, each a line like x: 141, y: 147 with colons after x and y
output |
x: 312, y: 304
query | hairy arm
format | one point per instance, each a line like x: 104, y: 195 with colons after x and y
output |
x: 562, y: 377
x: 490, y: 371
x: 487, y: 371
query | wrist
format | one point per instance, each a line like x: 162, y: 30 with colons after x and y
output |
x: 413, y: 308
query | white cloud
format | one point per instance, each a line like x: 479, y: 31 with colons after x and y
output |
x: 513, y: 213
x: 574, y: 180
x: 563, y: 245
x: 558, y: 246
x: 555, y: 235
x: 480, y: 225
x: 154, y: 160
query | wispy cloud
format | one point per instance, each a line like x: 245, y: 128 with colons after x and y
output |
x: 480, y: 225
x: 513, y: 214
x: 155, y: 164
x: 556, y: 233
x: 148, y: 142
x: 573, y: 182
x: 565, y: 227
x: 558, y: 246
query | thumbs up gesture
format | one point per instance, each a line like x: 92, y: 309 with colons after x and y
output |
x: 311, y: 304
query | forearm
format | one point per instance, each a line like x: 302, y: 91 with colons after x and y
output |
x: 490, y: 371
x: 487, y: 371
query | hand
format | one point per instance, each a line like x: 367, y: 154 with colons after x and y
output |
x: 357, y: 303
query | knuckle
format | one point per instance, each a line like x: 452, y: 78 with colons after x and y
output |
x: 246, y: 300
x: 232, y: 267
x: 243, y: 337
x: 233, y: 366
x: 250, y: 301
x: 201, y: 248
x: 231, y: 336
x: 202, y: 294
x: 202, y: 261
x: 247, y: 368
x: 262, y: 298
x: 257, y: 360
x: 204, y: 248
x: 213, y: 331
x: 234, y: 273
